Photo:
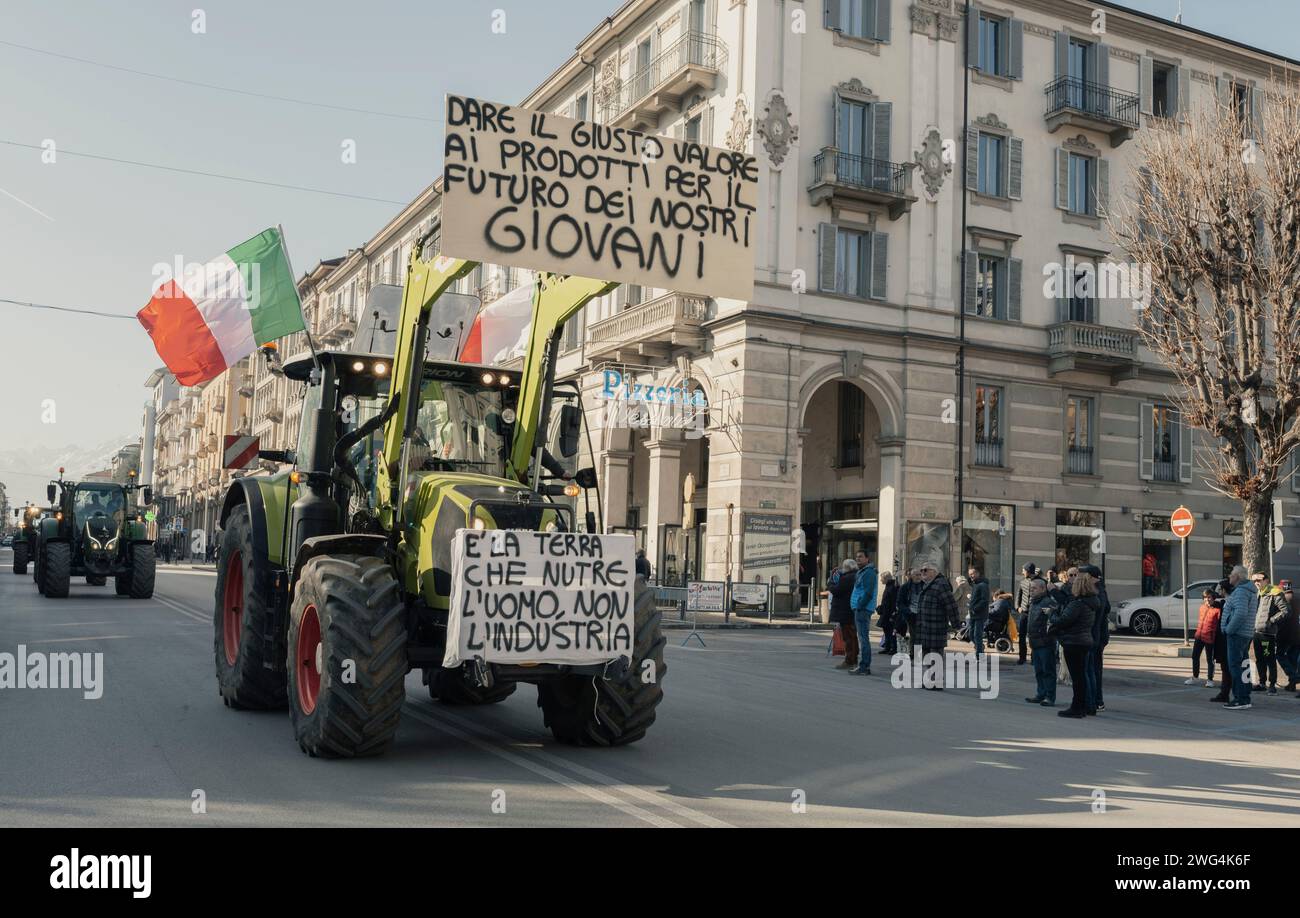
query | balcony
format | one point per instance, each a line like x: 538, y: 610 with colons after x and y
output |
x: 988, y: 452
x: 219, y: 404
x: 692, y: 63
x: 246, y: 387
x: 650, y: 329
x: 1078, y: 104
x: 198, y: 420
x: 1085, y: 346
x: 243, y: 427
x: 1078, y: 460
x: 844, y: 177
x: 337, y: 326
x: 275, y: 414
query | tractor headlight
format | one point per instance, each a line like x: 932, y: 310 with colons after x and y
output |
x: 94, y: 543
x: 112, y: 544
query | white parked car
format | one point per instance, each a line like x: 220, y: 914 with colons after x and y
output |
x: 1147, y: 615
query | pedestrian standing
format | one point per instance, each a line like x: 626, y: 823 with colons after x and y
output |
x: 909, y: 597
x: 1207, y: 625
x: 1030, y: 571
x: 1221, y: 645
x: 1272, y: 609
x: 840, y: 591
x: 1100, y: 638
x: 961, y: 594
x: 1238, y: 624
x: 1072, y: 628
x: 979, y: 609
x: 885, y: 609
x: 642, y: 564
x: 1042, y: 646
x: 934, y: 606
x: 863, y: 601
x: 1288, y: 639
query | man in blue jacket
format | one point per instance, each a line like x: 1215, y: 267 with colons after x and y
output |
x: 863, y: 602
x: 1238, y: 624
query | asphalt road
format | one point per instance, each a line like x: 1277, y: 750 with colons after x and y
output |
x: 752, y: 724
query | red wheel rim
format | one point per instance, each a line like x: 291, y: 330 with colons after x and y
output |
x: 307, y: 660
x: 232, y: 608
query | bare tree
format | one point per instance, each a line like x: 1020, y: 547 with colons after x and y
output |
x: 1215, y: 218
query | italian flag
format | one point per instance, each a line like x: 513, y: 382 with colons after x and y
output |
x: 500, y: 330
x: 202, y: 325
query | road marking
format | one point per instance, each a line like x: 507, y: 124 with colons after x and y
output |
x: 76, y: 624
x: 102, y: 637
x: 177, y: 607
x: 645, y: 796
x: 550, y: 774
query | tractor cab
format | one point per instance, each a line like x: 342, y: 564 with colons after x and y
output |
x: 98, y: 514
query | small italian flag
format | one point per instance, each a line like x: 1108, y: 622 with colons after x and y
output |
x: 202, y: 325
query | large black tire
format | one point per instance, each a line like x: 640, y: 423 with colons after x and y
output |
x: 56, y: 574
x: 244, y: 682
x: 20, y: 557
x: 592, y: 711
x: 450, y: 686
x: 144, y: 565
x: 352, y: 606
x: 122, y: 583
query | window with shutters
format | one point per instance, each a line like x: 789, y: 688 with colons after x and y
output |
x: 994, y: 159
x: 1165, y: 442
x: 866, y: 19
x: 580, y: 107
x: 1164, y: 89
x: 692, y: 132
x: 993, y: 282
x: 853, y: 262
x: 1081, y: 180
x: 990, y: 287
x: 995, y: 44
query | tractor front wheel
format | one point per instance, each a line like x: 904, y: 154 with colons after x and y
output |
x: 56, y: 572
x: 593, y: 711
x: 241, y: 624
x: 20, y: 557
x: 452, y: 686
x: 347, y: 656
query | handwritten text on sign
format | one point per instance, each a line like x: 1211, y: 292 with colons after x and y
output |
x: 540, y: 597
x: 541, y: 191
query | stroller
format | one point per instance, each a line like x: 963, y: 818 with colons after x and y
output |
x: 1000, y: 632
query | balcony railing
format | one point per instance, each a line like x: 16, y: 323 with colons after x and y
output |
x: 669, y: 73
x: 861, y: 178
x: 1079, y: 460
x: 1083, y: 345
x: 988, y: 451
x: 651, y: 328
x: 1072, y: 102
x: 1166, y: 470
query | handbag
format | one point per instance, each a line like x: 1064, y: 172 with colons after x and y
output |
x: 837, y: 643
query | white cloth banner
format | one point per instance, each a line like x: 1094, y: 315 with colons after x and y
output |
x: 540, y: 597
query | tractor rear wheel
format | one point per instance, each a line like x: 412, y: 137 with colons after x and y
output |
x: 451, y: 686
x: 593, y: 711
x: 56, y: 573
x: 144, y: 565
x: 20, y: 557
x: 347, y: 656
x: 241, y: 623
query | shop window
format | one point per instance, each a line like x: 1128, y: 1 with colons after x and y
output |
x: 1080, y: 539
x: 1158, y: 556
x: 988, y: 543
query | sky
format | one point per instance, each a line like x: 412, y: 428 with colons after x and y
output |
x: 88, y: 233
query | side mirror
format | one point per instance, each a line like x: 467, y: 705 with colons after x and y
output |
x: 570, y: 430
x: 49, y: 493
x: 276, y: 455
x: 148, y: 494
x: 585, y: 478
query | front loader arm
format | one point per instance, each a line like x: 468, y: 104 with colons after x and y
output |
x: 556, y: 298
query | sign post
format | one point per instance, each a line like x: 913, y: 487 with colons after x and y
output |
x: 1181, y: 524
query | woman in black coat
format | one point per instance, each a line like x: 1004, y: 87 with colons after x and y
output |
x: 885, y: 608
x: 840, y: 590
x: 1221, y: 648
x: 1072, y: 628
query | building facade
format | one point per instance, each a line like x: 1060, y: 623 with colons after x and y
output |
x: 904, y: 378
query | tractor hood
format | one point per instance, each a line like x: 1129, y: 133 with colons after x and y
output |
x: 441, y: 504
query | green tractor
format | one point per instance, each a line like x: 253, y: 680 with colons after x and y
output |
x: 96, y: 533
x: 344, y: 565
x: 25, y: 536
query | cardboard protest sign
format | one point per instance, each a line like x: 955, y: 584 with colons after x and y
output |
x: 541, y: 191
x: 540, y: 597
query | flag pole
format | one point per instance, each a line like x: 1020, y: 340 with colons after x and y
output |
x: 306, y: 325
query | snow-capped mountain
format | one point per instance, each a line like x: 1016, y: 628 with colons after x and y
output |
x: 25, y: 471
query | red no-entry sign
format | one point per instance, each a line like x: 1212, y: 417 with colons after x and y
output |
x: 1181, y: 522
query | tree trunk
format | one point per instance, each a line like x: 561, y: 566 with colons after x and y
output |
x: 1255, y: 538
